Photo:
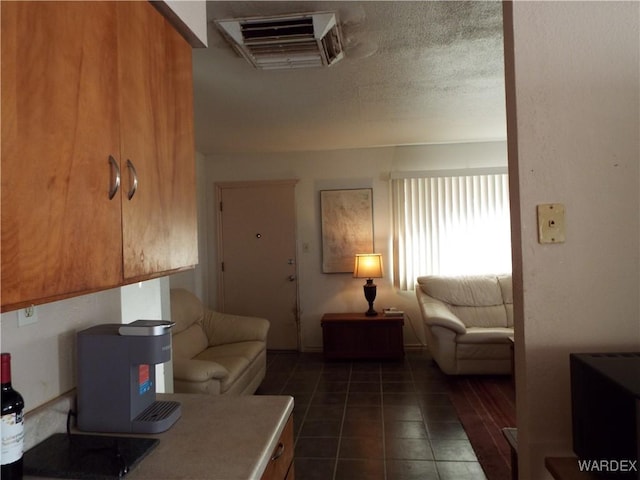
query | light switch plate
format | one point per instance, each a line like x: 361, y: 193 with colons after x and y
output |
x: 551, y: 223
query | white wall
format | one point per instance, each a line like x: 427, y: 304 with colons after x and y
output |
x: 358, y: 168
x: 43, y: 354
x: 574, y: 138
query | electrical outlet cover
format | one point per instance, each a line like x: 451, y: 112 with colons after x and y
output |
x: 27, y: 316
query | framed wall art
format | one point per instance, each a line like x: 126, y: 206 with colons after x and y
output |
x: 347, y: 227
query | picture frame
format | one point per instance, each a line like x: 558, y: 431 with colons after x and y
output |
x: 347, y: 227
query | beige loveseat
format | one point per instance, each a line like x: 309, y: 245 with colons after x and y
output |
x: 213, y: 352
x: 467, y: 322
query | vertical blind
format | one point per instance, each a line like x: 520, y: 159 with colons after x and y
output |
x: 450, y: 225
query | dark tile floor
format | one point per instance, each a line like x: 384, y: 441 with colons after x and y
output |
x: 365, y: 420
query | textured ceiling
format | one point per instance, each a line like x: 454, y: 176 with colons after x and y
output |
x: 414, y: 72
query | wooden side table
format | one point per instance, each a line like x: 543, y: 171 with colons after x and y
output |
x: 356, y: 336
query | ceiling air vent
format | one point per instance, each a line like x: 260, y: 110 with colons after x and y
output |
x: 291, y: 41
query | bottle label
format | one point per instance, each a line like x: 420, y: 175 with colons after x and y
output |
x: 12, y: 438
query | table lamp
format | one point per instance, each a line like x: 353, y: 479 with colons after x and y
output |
x: 369, y: 266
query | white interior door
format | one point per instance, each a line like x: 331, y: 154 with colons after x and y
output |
x: 257, y: 253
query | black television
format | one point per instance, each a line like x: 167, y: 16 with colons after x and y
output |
x: 605, y: 410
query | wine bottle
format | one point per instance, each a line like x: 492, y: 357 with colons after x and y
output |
x: 12, y: 426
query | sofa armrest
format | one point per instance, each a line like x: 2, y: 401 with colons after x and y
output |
x: 435, y: 313
x: 192, y: 370
x: 223, y: 328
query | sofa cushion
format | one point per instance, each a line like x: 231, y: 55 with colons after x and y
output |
x: 506, y: 286
x: 250, y: 380
x: 480, y: 352
x: 477, y: 300
x: 222, y: 328
x: 248, y: 350
x: 188, y: 343
x: 235, y: 357
x: 464, y: 291
x: 486, y: 317
x: 195, y: 370
x: 235, y: 365
x: 186, y: 309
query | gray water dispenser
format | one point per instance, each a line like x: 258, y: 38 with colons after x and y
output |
x: 117, y: 380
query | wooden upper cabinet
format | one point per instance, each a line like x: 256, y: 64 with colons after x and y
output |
x: 156, y: 102
x: 83, y: 82
x: 60, y: 232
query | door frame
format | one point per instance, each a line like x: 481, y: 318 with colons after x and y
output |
x: 219, y: 188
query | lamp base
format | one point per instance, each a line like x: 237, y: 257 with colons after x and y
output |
x: 370, y: 291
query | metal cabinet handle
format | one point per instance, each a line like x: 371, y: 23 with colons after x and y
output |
x: 116, y: 182
x: 278, y: 453
x: 134, y: 175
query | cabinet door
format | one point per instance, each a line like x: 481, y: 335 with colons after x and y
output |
x: 60, y: 122
x: 159, y: 220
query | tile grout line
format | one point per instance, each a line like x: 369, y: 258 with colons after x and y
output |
x: 344, y: 415
x: 384, y: 435
x: 306, y: 410
x: 424, y: 421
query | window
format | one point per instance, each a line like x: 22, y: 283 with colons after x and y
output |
x: 450, y: 223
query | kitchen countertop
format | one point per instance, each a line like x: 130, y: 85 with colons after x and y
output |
x: 217, y: 437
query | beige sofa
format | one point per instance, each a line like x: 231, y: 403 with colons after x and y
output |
x: 467, y: 322
x: 215, y: 353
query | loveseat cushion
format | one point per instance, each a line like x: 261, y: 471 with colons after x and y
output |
x: 221, y: 328
x: 186, y: 309
x: 234, y: 357
x: 234, y: 364
x: 196, y: 370
x: 248, y: 350
x: 188, y: 343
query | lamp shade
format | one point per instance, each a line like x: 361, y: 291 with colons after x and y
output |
x: 368, y: 265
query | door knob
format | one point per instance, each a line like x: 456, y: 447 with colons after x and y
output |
x: 292, y: 278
